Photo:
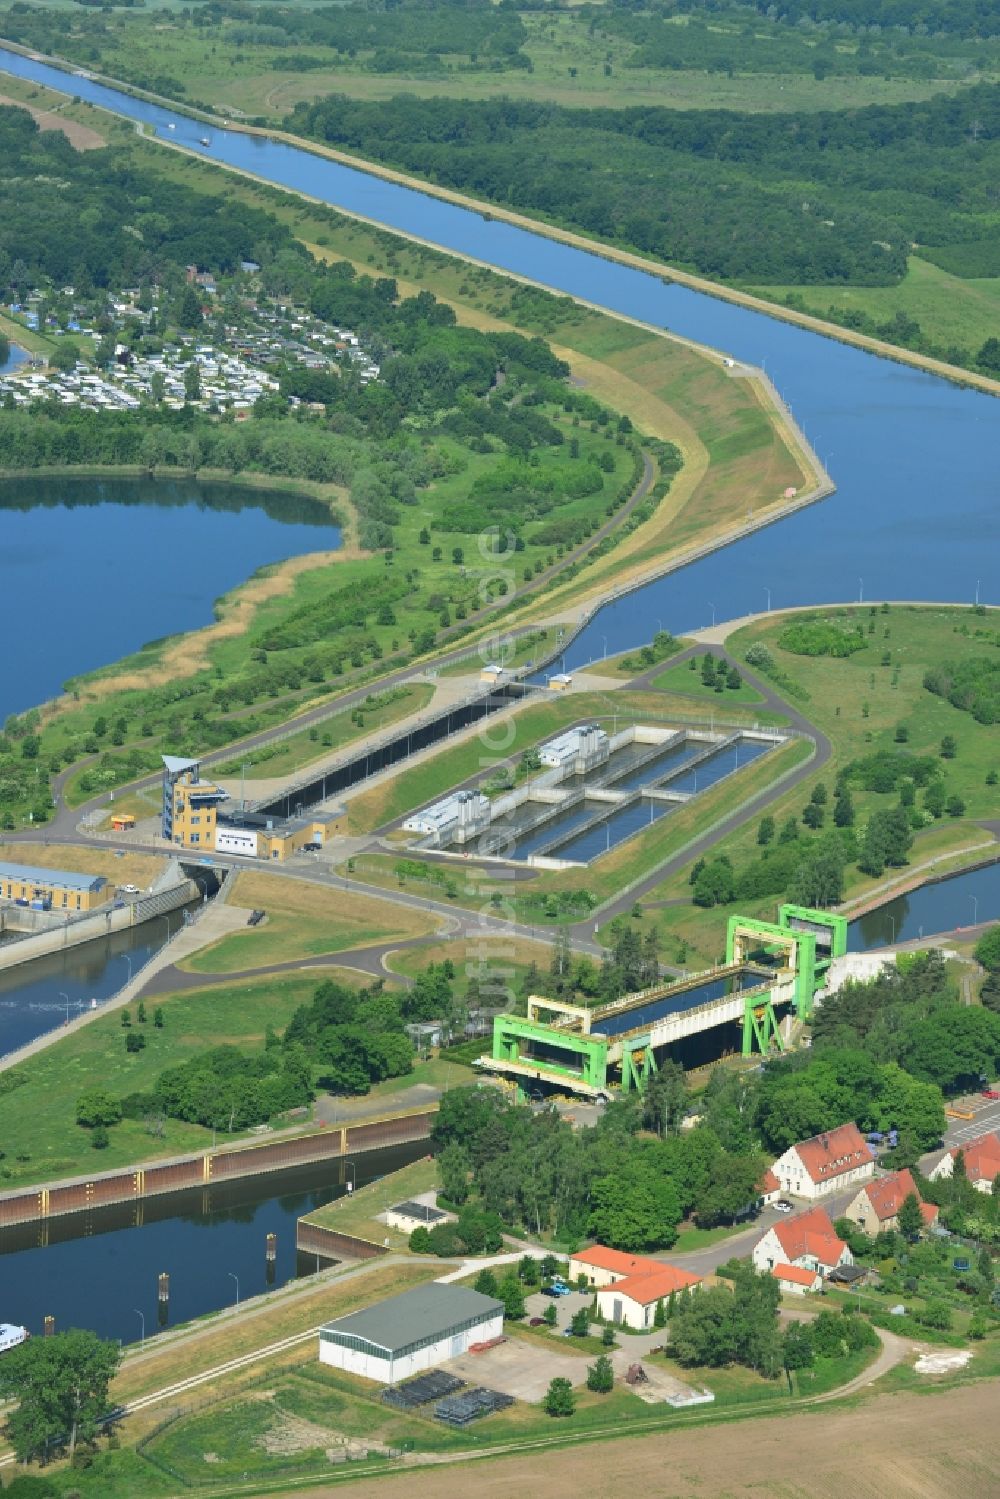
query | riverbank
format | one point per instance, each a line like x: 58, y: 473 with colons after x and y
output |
x: 551, y: 230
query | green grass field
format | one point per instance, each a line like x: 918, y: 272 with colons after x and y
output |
x: 682, y: 679
x: 949, y: 309
x: 838, y: 692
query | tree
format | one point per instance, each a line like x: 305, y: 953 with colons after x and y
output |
x: 580, y: 1322
x: 559, y: 1398
x: 550, y: 1315
x: 454, y: 1167
x: 987, y: 950
x: 192, y: 381
x: 635, y: 1207
x: 796, y: 1349
x: 64, y: 357
x: 765, y: 830
x: 843, y: 808
x: 601, y: 1376
x: 660, y: 1314
x: 486, y: 1284
x: 949, y: 747
x: 510, y: 1293
x: 158, y: 1018
x: 96, y: 1107
x: 608, y: 1336
x: 61, y: 1386
x: 187, y: 313
x: 910, y: 1218
x: 665, y: 1099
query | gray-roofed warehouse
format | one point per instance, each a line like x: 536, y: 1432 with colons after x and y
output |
x: 410, y: 1332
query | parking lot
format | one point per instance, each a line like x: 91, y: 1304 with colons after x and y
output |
x: 519, y: 1368
x: 985, y: 1117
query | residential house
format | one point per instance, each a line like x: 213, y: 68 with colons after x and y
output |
x: 629, y: 1286
x: 808, y: 1241
x: 826, y: 1163
x: 795, y: 1280
x: 982, y: 1161
x: 876, y: 1208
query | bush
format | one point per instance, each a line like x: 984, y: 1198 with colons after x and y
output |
x: 96, y: 1108
x: 559, y: 1398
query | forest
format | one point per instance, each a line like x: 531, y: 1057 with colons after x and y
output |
x: 829, y: 197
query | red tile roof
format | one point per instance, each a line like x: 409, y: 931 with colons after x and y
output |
x: 603, y: 1258
x: 795, y: 1273
x: 655, y: 1285
x: 930, y: 1212
x: 809, y: 1234
x: 982, y: 1157
x: 831, y: 1154
x: 888, y: 1194
x: 769, y: 1182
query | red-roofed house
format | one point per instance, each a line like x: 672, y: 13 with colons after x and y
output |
x: 629, y: 1285
x: 794, y: 1280
x: 826, y: 1163
x: 876, y: 1207
x: 808, y: 1240
x: 632, y: 1301
x: 982, y: 1161
x: 769, y: 1187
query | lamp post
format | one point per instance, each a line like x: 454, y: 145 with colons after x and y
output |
x: 350, y: 1184
x: 66, y: 998
x: 142, y: 1334
x: 975, y: 909
x: 893, y: 920
x: 712, y: 607
x: 768, y: 592
x: 861, y: 590
x: 605, y: 639
x: 128, y: 960
x: 233, y: 1276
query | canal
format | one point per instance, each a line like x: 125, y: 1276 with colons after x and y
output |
x: 99, y: 1270
x: 44, y: 993
x: 108, y: 550
x: 914, y: 457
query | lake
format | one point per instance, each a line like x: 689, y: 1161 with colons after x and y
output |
x: 91, y: 569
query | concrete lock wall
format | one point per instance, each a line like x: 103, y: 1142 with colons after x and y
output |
x: 38, y: 1203
x: 97, y: 924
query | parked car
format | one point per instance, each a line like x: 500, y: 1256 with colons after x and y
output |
x: 128, y: 889
x: 557, y: 1288
x: 782, y: 1206
x: 536, y: 1321
x: 311, y: 848
x: 991, y: 1092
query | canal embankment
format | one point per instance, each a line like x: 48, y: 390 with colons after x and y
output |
x: 42, y: 1202
x: 39, y: 937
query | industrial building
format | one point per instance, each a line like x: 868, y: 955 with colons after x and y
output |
x: 629, y: 1286
x: 457, y: 819
x: 258, y: 836
x: 578, y: 750
x: 48, y: 889
x: 189, y: 804
x: 406, y: 1334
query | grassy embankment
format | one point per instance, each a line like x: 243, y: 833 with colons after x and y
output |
x: 859, y: 703
x: 358, y: 1212
x: 129, y: 868
x: 303, y: 920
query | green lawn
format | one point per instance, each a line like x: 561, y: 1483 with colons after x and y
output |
x: 689, y: 682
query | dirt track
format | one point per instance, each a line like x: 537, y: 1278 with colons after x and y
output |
x: 80, y: 136
x: 939, y: 1446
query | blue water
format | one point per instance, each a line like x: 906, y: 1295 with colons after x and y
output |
x: 16, y: 357
x: 961, y: 901
x: 612, y: 831
x: 655, y: 770
x: 700, y: 777
x: 42, y: 994
x: 914, y: 457
x: 91, y: 569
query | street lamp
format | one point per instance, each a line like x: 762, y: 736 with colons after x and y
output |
x: 350, y: 1184
x: 233, y: 1276
x: 768, y: 592
x: 893, y: 920
x: 142, y: 1335
x: 128, y: 960
x: 712, y: 607
x: 861, y: 590
x: 66, y: 998
x: 605, y: 639
x: 975, y: 909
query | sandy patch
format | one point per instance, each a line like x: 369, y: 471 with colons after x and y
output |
x: 940, y: 1362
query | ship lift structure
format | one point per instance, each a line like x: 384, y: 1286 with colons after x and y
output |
x: 771, y: 972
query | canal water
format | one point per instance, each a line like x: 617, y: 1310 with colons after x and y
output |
x: 962, y: 900
x: 91, y: 569
x: 44, y: 993
x: 100, y: 1271
x: 15, y: 357
x: 915, y: 515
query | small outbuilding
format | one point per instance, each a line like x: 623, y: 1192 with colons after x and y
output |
x: 796, y: 1280
x: 406, y: 1334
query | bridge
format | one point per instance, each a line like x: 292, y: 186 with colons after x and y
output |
x: 601, y: 1051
